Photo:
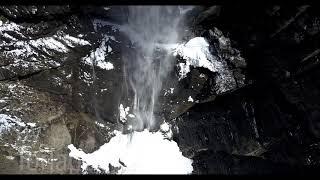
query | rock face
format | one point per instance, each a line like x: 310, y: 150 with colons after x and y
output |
x: 48, y: 79
x: 246, y: 98
x: 278, y: 110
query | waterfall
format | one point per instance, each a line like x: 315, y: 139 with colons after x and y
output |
x: 149, y: 28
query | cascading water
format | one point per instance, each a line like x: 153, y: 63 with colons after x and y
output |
x: 148, y: 28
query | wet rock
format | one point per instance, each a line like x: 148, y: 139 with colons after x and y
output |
x: 52, y: 92
x: 209, y: 162
x: 227, y: 124
x: 284, y: 106
x: 34, y: 13
x: 201, y: 83
x: 57, y: 136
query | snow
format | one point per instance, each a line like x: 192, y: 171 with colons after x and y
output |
x: 42, y: 160
x: 102, y: 90
x: 28, y: 48
x: 131, y: 115
x: 168, y: 91
x: 25, y: 135
x: 123, y: 113
x: 87, y: 78
x: 190, y: 99
x: 10, y: 157
x: 109, y: 49
x: 100, y: 124
x: 9, y: 36
x: 105, y: 65
x: 34, y: 10
x: 196, y: 53
x: 7, y: 122
x: 137, y: 153
x: 86, y: 75
x: 223, y: 41
x: 171, y: 90
x: 54, y: 159
x: 165, y: 127
x: 31, y: 124
x: 10, y: 27
x: 47, y: 150
x: 98, y: 56
x: 184, y: 70
x: 71, y: 41
x: 11, y: 87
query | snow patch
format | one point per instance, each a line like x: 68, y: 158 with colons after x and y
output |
x: 103, y: 90
x: 42, y: 160
x: 31, y: 124
x: 168, y: 91
x: 71, y: 41
x: 34, y: 10
x: 196, y: 54
x: 165, y: 127
x: 171, y: 90
x: 190, y: 99
x: 30, y: 48
x: 131, y: 115
x: 105, y: 65
x: 10, y: 157
x: 46, y: 150
x: 10, y: 27
x: 97, y: 57
x: 137, y: 153
x: 7, y: 122
x: 54, y: 159
x: 109, y: 49
x: 100, y: 124
x: 123, y: 113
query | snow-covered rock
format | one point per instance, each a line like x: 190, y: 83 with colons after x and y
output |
x: 98, y: 56
x: 137, y: 153
x: 196, y: 54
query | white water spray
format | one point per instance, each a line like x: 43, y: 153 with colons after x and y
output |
x: 144, y: 152
x: 148, y: 28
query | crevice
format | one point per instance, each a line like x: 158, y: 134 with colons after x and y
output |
x: 290, y: 21
x: 29, y: 75
x: 37, y: 19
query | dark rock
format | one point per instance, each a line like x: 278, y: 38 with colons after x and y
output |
x: 284, y: 107
x: 265, y: 120
x: 209, y: 162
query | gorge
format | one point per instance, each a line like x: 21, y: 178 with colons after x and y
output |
x: 215, y: 89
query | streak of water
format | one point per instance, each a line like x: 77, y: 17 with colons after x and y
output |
x: 147, y: 27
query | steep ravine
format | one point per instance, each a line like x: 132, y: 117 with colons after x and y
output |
x: 242, y: 98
